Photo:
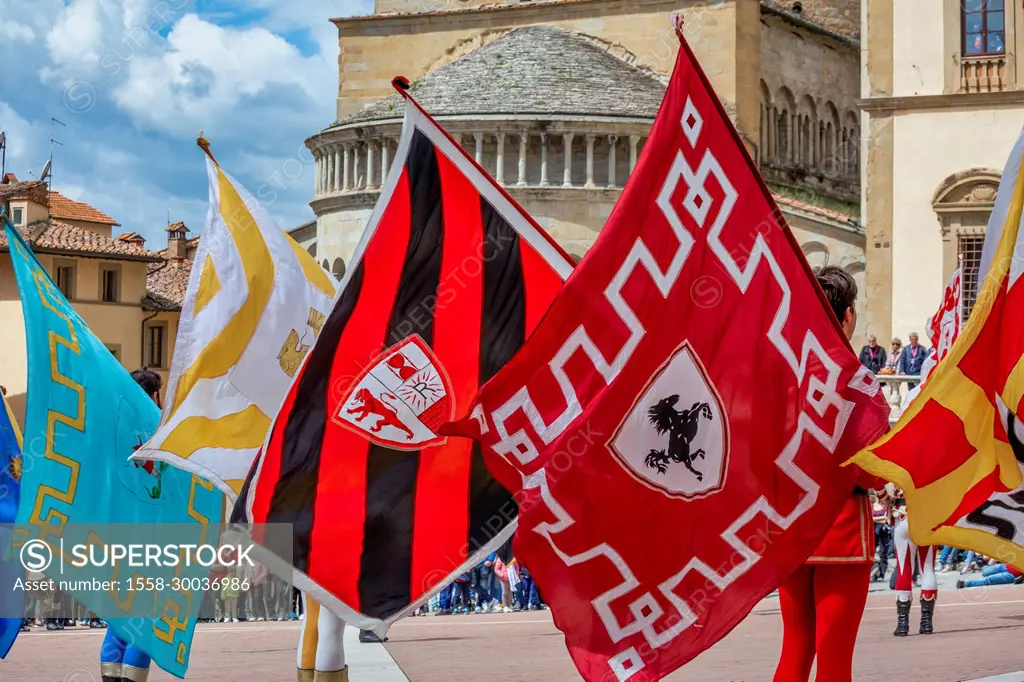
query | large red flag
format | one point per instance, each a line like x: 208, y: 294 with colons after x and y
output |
x: 675, y: 425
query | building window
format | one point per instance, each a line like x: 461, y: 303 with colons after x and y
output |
x: 984, y: 27
x: 64, y: 277
x: 338, y: 269
x: 110, y: 284
x: 155, y: 345
x: 115, y: 350
x: 970, y: 246
x: 16, y: 215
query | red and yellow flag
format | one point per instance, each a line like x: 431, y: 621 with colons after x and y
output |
x: 957, y: 450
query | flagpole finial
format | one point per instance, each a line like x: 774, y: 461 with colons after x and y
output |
x: 204, y: 144
x: 401, y: 84
x: 677, y: 21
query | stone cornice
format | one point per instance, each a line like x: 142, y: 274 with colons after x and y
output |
x: 974, y: 100
x: 533, y: 11
x: 510, y: 124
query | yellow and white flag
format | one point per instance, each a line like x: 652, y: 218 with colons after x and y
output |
x: 254, y: 306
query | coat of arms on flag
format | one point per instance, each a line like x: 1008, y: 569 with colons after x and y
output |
x: 676, y: 437
x: 402, y: 398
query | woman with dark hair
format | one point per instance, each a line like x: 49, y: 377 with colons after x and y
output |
x: 823, y: 602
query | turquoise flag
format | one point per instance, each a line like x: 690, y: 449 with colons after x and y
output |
x: 85, y: 417
x: 11, y: 601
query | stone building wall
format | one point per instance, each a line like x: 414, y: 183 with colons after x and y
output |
x: 810, y: 123
x: 725, y: 34
x: 841, y: 16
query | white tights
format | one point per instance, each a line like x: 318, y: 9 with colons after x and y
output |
x: 321, y: 644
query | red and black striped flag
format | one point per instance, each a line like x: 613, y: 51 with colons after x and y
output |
x: 449, y: 279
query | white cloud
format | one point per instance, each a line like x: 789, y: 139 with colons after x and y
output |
x: 21, y: 138
x: 16, y: 33
x: 136, y: 80
x: 209, y: 70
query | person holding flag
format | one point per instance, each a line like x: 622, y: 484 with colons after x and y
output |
x: 944, y: 326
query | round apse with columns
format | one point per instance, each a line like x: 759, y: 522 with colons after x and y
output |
x: 561, y: 131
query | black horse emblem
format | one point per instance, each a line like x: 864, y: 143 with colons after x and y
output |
x: 682, y: 429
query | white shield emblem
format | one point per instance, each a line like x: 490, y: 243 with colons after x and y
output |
x: 401, y: 400
x: 676, y: 437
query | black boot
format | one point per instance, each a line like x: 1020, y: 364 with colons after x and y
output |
x: 902, y: 618
x: 927, y: 611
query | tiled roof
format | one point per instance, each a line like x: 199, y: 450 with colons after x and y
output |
x: 166, y: 283
x: 55, y: 236
x: 68, y: 209
x: 536, y: 70
x: 12, y: 189
x: 813, y: 209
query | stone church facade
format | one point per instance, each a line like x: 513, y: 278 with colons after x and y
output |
x: 555, y: 98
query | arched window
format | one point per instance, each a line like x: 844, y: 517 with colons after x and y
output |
x: 983, y: 27
x: 338, y: 269
x: 326, y: 265
x: 312, y: 250
x: 963, y: 204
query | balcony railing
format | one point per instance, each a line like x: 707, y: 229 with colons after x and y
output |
x: 895, y: 388
x: 983, y: 74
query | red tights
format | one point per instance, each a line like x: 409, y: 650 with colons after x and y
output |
x: 822, y: 605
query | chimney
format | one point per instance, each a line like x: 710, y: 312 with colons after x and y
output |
x: 133, y: 238
x: 177, y: 241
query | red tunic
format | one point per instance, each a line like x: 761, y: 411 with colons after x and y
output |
x: 851, y: 540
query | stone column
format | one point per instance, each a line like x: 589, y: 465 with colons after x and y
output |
x: 337, y: 169
x: 543, y: 159
x: 329, y: 185
x: 590, y: 161
x: 794, y: 135
x: 523, y: 139
x: 356, y: 182
x: 769, y: 153
x: 385, y: 161
x: 479, y: 148
x: 371, y: 181
x: 612, y: 140
x: 345, y: 186
x: 499, y: 170
x: 567, y: 176
x: 634, y: 140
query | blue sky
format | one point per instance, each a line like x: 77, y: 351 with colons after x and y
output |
x: 134, y: 81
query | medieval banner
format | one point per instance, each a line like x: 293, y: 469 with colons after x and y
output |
x: 450, y: 278
x: 255, y: 304
x: 958, y: 448
x: 675, y: 425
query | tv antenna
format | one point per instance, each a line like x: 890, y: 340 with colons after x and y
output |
x: 48, y: 168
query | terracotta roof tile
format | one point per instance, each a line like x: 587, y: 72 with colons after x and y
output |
x: 54, y: 236
x: 68, y: 209
x: 806, y: 207
x: 12, y: 189
x: 166, y: 284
